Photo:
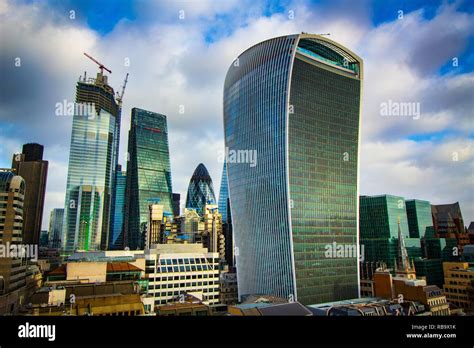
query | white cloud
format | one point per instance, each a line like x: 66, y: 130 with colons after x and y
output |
x: 172, y: 64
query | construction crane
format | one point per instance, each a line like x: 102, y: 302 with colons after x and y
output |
x: 119, y: 97
x: 101, y: 66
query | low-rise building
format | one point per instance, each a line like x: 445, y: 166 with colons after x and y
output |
x: 228, y: 288
x: 458, y: 277
x: 176, y: 269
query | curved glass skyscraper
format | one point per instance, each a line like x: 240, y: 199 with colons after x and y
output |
x: 295, y: 101
x: 200, y: 190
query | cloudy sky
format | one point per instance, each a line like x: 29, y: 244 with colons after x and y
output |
x: 178, y: 54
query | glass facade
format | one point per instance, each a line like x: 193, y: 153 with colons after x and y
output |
x: 379, y: 216
x: 116, y: 235
x: 56, y: 219
x: 300, y: 115
x: 200, y: 190
x: 148, y: 173
x: 323, y: 157
x: 223, y: 195
x: 419, y: 218
x: 92, y: 160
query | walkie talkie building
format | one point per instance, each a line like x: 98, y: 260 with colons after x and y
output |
x: 295, y: 100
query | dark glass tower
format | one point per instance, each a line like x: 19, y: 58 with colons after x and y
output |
x: 31, y: 167
x: 420, y: 223
x: 200, y: 190
x: 295, y: 101
x: 176, y: 203
x: 223, y: 195
x: 148, y: 173
x: 116, y: 235
x: 56, y: 219
x: 224, y: 209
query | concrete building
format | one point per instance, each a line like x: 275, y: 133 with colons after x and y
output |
x: 12, y: 259
x: 458, y: 277
x: 34, y: 170
x: 263, y: 305
x: 93, y: 283
x: 185, y: 305
x: 228, y: 288
x: 113, y: 298
x: 213, y: 237
x: 369, y: 306
x: 175, y: 269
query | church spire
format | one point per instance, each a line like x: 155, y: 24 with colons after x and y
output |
x: 403, y: 267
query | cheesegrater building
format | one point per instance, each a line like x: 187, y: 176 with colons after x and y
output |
x: 148, y: 173
x: 295, y: 101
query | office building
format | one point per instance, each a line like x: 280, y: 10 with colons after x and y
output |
x: 228, y: 288
x: 160, y: 229
x: 470, y: 232
x: 212, y: 237
x: 174, y: 270
x: 224, y: 195
x: 458, y: 277
x: 92, y: 164
x: 448, y: 223
x: 420, y: 223
x: 30, y: 166
x: 185, y: 305
x: 224, y: 209
x: 382, y: 219
x: 102, y: 284
x: 176, y: 204
x: 117, y: 226
x: 148, y: 173
x: 12, y: 263
x: 291, y: 123
x: 200, y: 190
x: 56, y: 219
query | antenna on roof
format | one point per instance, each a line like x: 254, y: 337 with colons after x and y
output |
x: 326, y: 34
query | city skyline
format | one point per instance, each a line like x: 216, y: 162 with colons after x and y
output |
x: 237, y: 158
x: 402, y: 156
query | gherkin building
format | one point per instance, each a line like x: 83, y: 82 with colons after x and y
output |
x: 200, y: 190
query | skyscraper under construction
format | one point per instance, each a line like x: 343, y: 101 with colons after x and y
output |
x: 92, y: 165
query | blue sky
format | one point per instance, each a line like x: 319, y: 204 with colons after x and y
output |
x: 183, y: 61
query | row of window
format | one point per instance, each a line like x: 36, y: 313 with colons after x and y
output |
x: 182, y: 285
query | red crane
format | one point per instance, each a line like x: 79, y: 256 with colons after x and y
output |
x: 101, y: 66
